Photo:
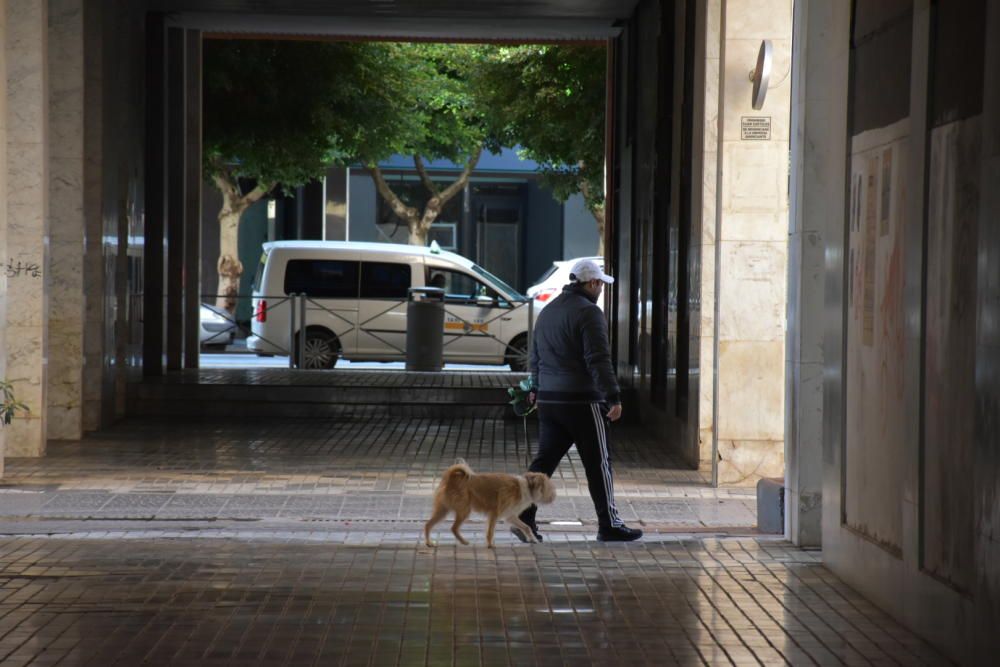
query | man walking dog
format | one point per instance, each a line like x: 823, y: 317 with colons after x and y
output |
x: 576, y: 393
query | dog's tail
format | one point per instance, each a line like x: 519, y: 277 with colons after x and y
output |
x: 456, y: 474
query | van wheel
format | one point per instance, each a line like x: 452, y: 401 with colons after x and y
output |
x: 321, y: 352
x: 517, y: 354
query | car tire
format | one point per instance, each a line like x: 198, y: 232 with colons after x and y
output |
x: 321, y: 352
x: 517, y: 354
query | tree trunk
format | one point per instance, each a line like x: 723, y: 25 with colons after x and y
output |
x: 418, y: 236
x: 598, y: 214
x: 229, y: 266
x: 419, y: 224
x: 597, y: 211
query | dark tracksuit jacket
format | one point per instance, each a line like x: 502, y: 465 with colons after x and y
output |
x: 570, y: 364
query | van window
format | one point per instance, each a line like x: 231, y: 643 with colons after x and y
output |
x: 458, y: 286
x: 259, y: 275
x: 384, y: 280
x: 322, y: 278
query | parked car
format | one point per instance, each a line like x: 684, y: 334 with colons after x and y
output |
x: 550, y: 284
x: 217, y: 326
x: 356, y: 303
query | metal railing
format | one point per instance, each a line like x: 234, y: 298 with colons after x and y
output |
x: 302, y: 305
x: 245, y: 326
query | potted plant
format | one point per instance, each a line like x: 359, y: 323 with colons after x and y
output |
x: 9, y: 405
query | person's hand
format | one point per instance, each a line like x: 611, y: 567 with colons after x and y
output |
x: 531, y: 398
x: 615, y: 413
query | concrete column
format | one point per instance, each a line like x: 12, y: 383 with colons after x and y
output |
x: 93, y: 261
x: 176, y: 139
x: 66, y: 222
x: 987, y: 469
x: 706, y: 163
x: 192, y: 196
x: 3, y: 212
x: 26, y: 259
x: 819, y: 128
x: 752, y: 244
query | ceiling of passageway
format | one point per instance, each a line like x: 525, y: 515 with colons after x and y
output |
x: 430, y: 19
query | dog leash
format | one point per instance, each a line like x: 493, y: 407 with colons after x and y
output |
x: 527, y: 443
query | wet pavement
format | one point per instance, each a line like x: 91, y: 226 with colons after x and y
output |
x: 362, y: 467
x: 297, y: 542
x: 258, y: 601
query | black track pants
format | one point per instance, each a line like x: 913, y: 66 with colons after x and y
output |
x: 561, y: 425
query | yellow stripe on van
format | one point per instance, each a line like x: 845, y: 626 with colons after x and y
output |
x: 462, y: 326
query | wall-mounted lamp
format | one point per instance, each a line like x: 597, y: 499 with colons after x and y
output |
x: 761, y: 74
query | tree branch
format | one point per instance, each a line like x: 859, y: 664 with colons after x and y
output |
x: 397, y: 205
x: 437, y: 203
x: 257, y: 193
x: 232, y: 197
x: 425, y: 177
x: 457, y: 186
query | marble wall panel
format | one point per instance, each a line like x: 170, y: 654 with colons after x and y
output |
x: 751, y: 392
x: 93, y: 260
x: 710, y: 141
x: 752, y: 242
x: 755, y: 186
x: 758, y: 19
x: 26, y: 256
x: 706, y: 389
x: 745, y: 462
x: 876, y: 343
x: 707, y: 201
x: 3, y: 217
x: 950, y: 361
x: 713, y: 29
x: 753, y: 286
x: 66, y: 224
x: 709, y: 197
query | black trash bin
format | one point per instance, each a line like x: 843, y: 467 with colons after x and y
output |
x: 425, y: 329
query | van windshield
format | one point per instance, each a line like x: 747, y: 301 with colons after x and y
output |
x: 545, y: 276
x: 510, y: 291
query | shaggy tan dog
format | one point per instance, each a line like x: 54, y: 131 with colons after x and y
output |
x: 498, y: 495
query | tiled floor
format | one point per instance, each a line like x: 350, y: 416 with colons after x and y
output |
x: 256, y: 601
x: 358, y: 468
x: 297, y: 542
x: 498, y: 378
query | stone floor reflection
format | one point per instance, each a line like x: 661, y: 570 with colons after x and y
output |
x: 362, y: 467
x: 297, y: 542
x: 195, y: 601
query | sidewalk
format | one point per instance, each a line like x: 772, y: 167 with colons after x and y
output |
x: 194, y: 601
x: 298, y: 542
x: 367, y: 468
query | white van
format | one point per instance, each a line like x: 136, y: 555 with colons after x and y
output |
x: 356, y: 303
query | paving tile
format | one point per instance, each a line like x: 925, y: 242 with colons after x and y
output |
x: 293, y: 542
x: 356, y: 468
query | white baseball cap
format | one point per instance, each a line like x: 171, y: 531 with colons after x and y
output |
x: 586, y: 270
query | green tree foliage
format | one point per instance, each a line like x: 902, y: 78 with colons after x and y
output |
x: 448, y: 124
x: 283, y: 111
x: 550, y: 101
